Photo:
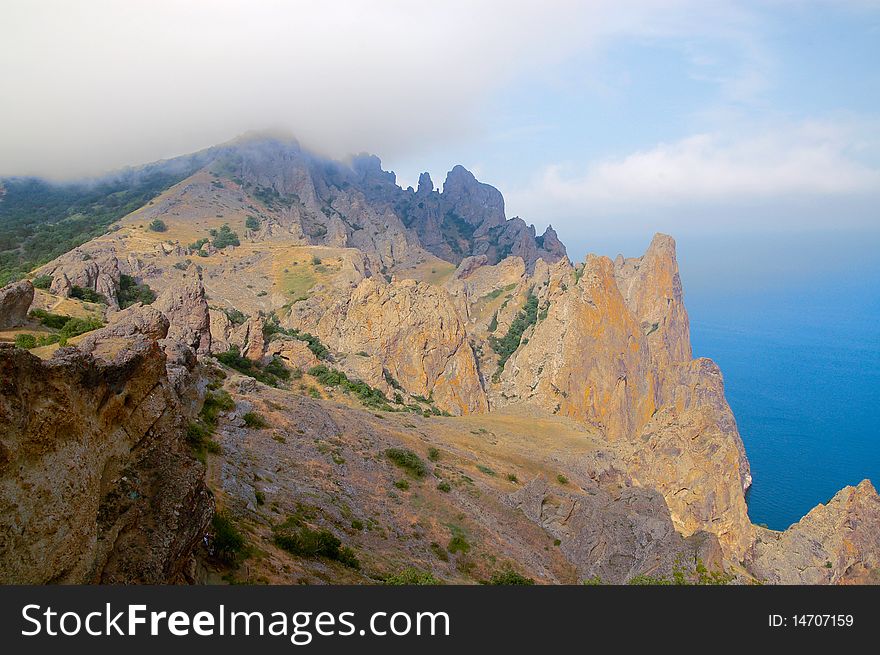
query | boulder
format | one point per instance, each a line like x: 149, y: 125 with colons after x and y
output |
x: 15, y: 300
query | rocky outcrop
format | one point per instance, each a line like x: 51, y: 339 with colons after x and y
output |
x: 15, y: 300
x: 598, y: 357
x: 99, y: 272
x: 293, y: 352
x: 187, y: 310
x: 651, y: 287
x: 588, y: 359
x: 97, y: 483
x: 837, y: 543
x: 616, y: 532
x: 414, y: 332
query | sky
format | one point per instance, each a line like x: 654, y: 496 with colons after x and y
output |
x: 608, y: 119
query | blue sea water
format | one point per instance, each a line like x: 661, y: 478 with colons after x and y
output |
x: 801, y: 364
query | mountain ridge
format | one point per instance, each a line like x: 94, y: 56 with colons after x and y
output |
x: 360, y: 318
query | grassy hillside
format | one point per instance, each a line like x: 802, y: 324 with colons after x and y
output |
x: 41, y: 220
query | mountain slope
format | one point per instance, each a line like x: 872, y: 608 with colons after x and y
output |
x: 417, y: 379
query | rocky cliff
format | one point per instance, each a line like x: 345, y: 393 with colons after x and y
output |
x: 97, y: 483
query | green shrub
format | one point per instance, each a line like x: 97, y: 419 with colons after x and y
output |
x: 228, y: 543
x: 486, y: 470
x: 511, y: 477
x: 252, y: 223
x: 216, y: 402
x: 54, y: 321
x: 369, y: 396
x: 458, y: 544
x: 131, y: 292
x: 408, y: 461
x: 235, y: 317
x: 392, y: 382
x: 433, y: 454
x: 595, y: 581
x: 403, y: 485
x: 255, y: 421
x: 42, y: 281
x: 509, y: 577
x: 271, y: 327
x: 158, y: 226
x: 412, y: 576
x: 76, y: 326
x: 197, y: 245
x: 25, y: 341
x: 81, y: 293
x: 305, y: 542
x: 225, y: 237
x: 505, y: 346
x: 561, y: 479
x: 276, y: 367
x: 233, y: 359
x: 261, y: 497
x: 316, y: 261
x: 444, y: 487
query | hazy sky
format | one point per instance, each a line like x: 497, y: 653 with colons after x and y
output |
x: 603, y: 117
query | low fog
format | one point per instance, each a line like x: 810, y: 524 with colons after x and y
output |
x: 89, y: 87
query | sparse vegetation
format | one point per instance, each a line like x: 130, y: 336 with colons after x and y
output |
x: 198, y: 432
x: 508, y: 576
x: 699, y: 575
x: 505, y: 346
x: 369, y: 396
x: 270, y: 374
x: 412, y: 576
x: 272, y: 327
x: 254, y: 421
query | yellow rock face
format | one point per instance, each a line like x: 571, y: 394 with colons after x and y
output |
x: 415, y: 332
x: 614, y: 351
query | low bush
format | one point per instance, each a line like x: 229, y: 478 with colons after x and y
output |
x: 255, y: 421
x: 228, y: 544
x: 509, y: 577
x: 25, y: 341
x: 88, y: 295
x: 306, y: 542
x: 369, y: 396
x: 412, y: 576
x: 408, y: 461
x: 42, y: 281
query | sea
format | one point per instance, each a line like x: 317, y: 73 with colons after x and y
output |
x: 798, y: 343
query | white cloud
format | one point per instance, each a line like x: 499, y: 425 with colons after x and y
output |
x: 805, y: 160
x: 94, y: 85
